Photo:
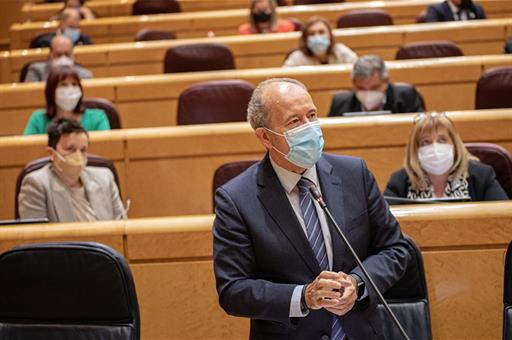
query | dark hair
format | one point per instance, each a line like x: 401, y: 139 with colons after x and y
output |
x: 56, y: 75
x: 303, y: 42
x: 62, y: 126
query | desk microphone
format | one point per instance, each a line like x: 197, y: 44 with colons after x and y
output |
x: 317, y: 196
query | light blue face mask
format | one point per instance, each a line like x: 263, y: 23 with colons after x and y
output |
x: 72, y: 33
x: 305, y: 144
x: 318, y: 44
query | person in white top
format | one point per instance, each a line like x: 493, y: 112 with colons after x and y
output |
x: 317, y: 46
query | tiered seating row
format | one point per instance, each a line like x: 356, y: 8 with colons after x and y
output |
x: 172, y: 266
x: 198, y: 24
x: 257, y: 51
x: 151, y: 101
x: 169, y: 171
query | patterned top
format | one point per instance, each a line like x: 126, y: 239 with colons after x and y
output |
x: 456, y: 187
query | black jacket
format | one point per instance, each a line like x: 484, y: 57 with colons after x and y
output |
x: 401, y: 98
x: 483, y: 185
x: 443, y: 12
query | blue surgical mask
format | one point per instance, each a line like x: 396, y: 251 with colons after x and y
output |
x: 318, y: 44
x: 72, y: 33
x: 305, y: 144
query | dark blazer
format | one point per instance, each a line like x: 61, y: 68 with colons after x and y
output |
x: 46, y: 40
x: 442, y: 12
x: 261, y: 252
x: 482, y: 182
x: 400, y: 98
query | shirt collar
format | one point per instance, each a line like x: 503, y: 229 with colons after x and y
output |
x: 289, y: 179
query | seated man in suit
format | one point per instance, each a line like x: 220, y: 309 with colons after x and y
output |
x: 61, y: 53
x: 372, y: 91
x: 277, y: 260
x: 66, y: 190
x: 69, y: 25
x: 454, y: 10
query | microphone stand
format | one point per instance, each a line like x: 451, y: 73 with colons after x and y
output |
x: 317, y: 196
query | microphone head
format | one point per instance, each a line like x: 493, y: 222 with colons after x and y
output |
x: 313, y: 190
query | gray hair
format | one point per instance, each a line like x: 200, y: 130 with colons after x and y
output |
x: 257, y: 114
x: 367, y: 65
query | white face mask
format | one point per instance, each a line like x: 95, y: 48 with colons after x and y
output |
x: 318, y: 44
x: 67, y: 97
x: 436, y: 158
x: 370, y: 100
x: 62, y: 61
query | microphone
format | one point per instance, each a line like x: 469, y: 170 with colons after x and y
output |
x: 317, y: 196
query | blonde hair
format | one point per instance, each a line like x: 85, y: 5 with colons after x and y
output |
x: 426, y: 123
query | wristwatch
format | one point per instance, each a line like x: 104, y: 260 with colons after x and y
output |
x: 303, y: 305
x: 360, y: 286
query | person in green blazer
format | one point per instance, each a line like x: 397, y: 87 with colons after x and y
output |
x: 64, y: 93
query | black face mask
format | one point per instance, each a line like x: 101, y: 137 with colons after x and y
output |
x: 261, y: 16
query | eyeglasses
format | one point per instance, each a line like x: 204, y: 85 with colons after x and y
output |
x: 423, y: 115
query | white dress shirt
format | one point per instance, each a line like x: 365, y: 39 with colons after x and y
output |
x: 289, y: 182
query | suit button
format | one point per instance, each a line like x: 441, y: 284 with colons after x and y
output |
x: 325, y: 337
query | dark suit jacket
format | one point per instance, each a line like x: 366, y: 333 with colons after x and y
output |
x: 482, y: 182
x: 399, y: 99
x: 261, y: 252
x: 46, y: 40
x: 442, y: 12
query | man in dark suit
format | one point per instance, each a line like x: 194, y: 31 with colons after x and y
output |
x: 372, y: 91
x: 277, y: 260
x: 69, y: 25
x: 454, y: 10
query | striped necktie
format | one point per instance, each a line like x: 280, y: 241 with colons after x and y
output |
x: 316, y: 240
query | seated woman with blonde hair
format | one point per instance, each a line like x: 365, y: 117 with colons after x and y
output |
x: 437, y: 165
x: 317, y: 46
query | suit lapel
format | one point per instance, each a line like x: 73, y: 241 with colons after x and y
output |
x: 61, y: 199
x: 448, y: 11
x: 355, y: 106
x: 273, y: 197
x: 331, y: 186
x: 390, y: 100
x: 95, y: 196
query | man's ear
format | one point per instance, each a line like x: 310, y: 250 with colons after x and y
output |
x: 50, y: 152
x: 262, y: 135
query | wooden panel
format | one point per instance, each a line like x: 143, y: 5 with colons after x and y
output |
x: 169, y: 315
x: 111, y: 234
x: 10, y: 14
x: 198, y: 24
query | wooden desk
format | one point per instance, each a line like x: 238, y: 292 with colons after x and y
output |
x: 116, y: 8
x: 157, y: 95
x: 463, y: 245
x: 169, y: 171
x: 477, y: 37
x: 197, y: 24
